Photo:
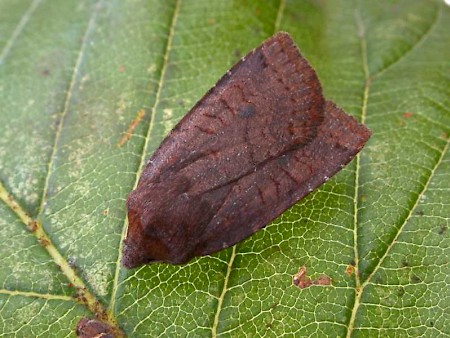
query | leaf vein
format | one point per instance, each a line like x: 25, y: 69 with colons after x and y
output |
x: 144, y: 149
x: 279, y: 15
x: 222, y: 295
x: 421, y: 40
x: 36, y: 295
x: 18, y: 30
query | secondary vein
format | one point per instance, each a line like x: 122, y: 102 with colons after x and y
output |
x: 222, y: 294
x: 19, y: 29
x: 62, y: 118
x: 279, y: 15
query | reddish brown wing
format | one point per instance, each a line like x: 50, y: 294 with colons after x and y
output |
x: 230, y: 166
x: 263, y: 195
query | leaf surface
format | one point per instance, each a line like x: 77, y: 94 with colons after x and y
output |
x: 74, y: 76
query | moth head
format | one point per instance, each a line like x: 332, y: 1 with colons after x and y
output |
x: 156, y: 233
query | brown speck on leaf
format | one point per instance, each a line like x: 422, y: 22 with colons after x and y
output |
x: 407, y: 115
x: 44, y: 242
x: 350, y: 269
x: 211, y: 21
x: 300, y: 275
x: 121, y: 69
x: 79, y: 295
x: 105, y: 212
x: 131, y: 128
x: 444, y: 136
x: 301, y: 279
x: 45, y: 72
x: 32, y: 226
x: 363, y: 198
x: 322, y: 280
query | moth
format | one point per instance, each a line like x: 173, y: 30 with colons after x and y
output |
x: 258, y: 141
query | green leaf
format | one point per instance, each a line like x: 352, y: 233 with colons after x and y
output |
x: 74, y: 76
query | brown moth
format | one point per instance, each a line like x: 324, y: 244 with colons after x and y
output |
x: 261, y: 139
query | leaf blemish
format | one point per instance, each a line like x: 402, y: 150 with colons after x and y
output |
x: 407, y: 115
x: 442, y: 229
x: 301, y: 279
x: 43, y: 241
x: 32, y: 226
x: 349, y: 270
x: 131, y: 127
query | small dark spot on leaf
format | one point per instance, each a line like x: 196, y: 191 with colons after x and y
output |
x: 105, y: 212
x: 442, y: 229
x: 237, y: 53
x: 401, y: 291
x: 420, y: 213
x: 415, y: 279
x: 404, y: 263
x: 121, y: 69
x: 45, y: 72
